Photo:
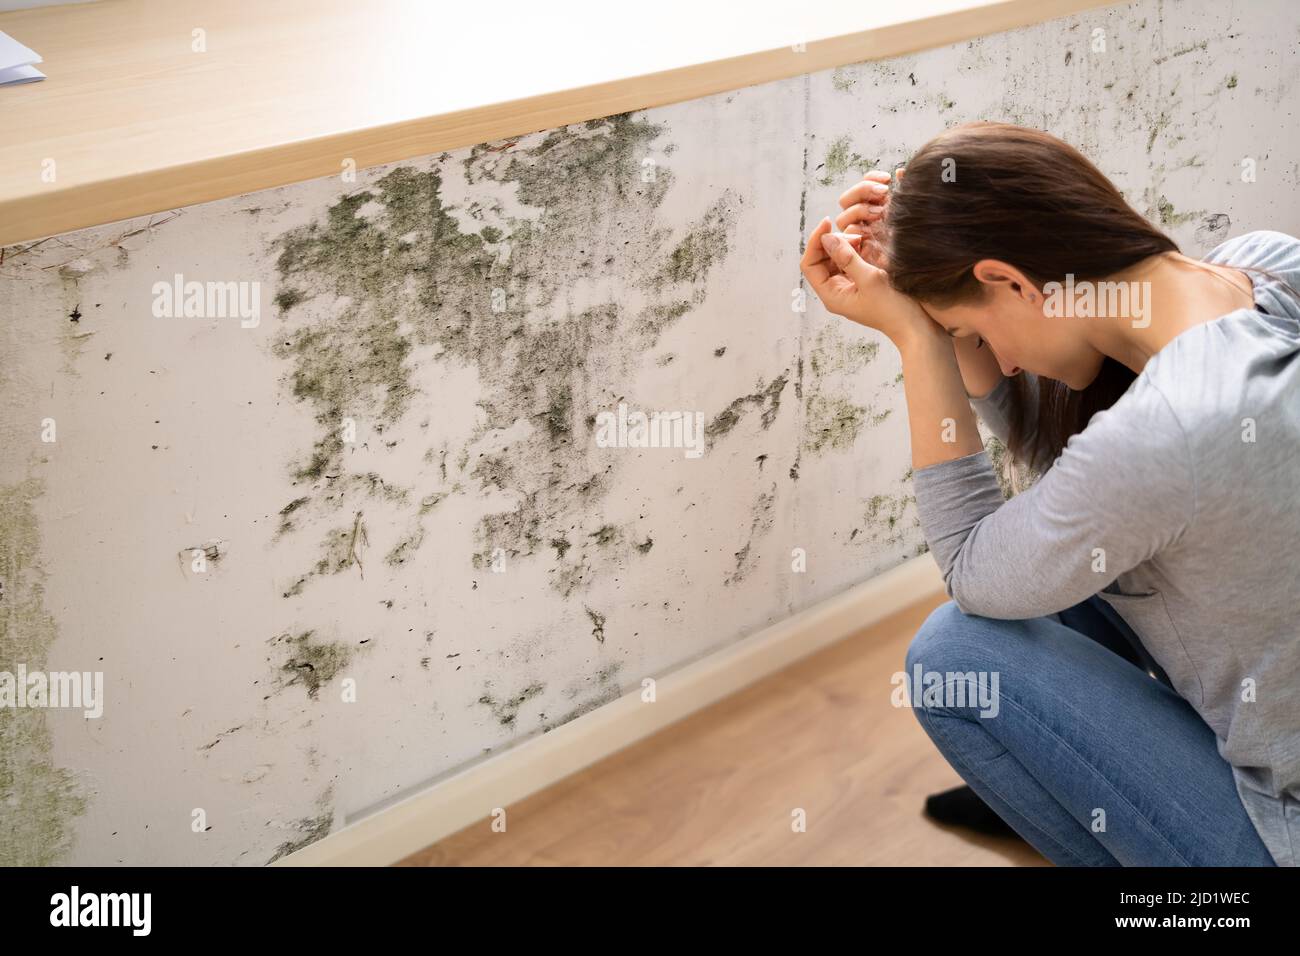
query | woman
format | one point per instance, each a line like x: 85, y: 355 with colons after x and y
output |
x: 1158, y: 396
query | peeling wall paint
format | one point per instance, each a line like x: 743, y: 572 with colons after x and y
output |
x: 392, y: 483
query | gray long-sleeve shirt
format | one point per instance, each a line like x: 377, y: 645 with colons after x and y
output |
x: 1180, y: 506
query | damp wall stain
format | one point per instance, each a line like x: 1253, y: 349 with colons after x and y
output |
x: 835, y: 363
x: 39, y: 801
x: 410, y: 276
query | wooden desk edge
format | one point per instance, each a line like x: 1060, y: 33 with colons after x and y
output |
x: 53, y: 210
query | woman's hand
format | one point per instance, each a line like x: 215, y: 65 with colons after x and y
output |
x: 850, y: 286
x: 865, y: 205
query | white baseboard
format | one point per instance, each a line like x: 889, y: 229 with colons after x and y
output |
x: 395, y: 831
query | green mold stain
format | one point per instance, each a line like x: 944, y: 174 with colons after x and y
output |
x: 840, y: 159
x: 1012, y: 477
x: 1158, y: 126
x: 886, y: 517
x: 309, y: 662
x: 1171, y: 217
x: 38, y: 801
x: 388, y: 270
x: 832, y: 353
x: 832, y: 422
x: 702, y: 248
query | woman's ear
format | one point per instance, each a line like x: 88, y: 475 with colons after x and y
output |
x: 995, y: 273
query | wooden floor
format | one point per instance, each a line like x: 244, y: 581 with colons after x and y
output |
x: 719, y: 787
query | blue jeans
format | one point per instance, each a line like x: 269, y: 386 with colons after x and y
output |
x: 1087, y: 756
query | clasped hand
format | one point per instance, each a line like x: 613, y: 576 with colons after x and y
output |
x: 847, y: 271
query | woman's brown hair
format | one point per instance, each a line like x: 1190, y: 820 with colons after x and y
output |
x: 997, y: 191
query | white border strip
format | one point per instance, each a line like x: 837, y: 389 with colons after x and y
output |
x: 391, y: 833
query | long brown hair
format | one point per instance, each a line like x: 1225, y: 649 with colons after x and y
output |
x: 997, y: 191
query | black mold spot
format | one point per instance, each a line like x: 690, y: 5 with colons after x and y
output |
x: 288, y: 298
x: 607, y: 690
x: 605, y: 535
x: 506, y: 711
x: 598, y: 624
x: 762, y: 517
x: 286, y: 523
x: 767, y: 398
x: 310, y: 662
x: 312, y: 828
x: 217, y: 739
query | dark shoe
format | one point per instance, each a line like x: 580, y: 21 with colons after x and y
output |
x: 963, y: 807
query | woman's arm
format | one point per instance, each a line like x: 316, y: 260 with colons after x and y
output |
x: 938, y: 406
x: 1121, y: 492
x: 979, y: 366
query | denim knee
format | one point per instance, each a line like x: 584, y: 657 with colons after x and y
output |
x: 952, y: 640
x: 942, y: 624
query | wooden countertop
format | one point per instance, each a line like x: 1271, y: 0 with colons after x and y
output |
x: 136, y: 121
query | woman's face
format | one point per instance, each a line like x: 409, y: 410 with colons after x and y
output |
x: 1011, y: 322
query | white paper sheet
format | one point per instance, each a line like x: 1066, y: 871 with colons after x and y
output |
x: 16, y: 62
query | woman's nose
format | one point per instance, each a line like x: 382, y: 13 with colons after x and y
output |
x: 1007, y: 368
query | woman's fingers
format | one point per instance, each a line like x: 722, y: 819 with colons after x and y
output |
x: 859, y: 213
x: 844, y: 256
x: 828, y: 281
x: 816, y: 265
x: 867, y: 191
